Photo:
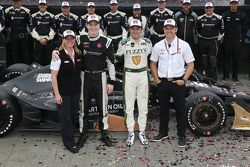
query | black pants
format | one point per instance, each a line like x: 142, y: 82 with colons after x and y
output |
x: 232, y: 51
x: 67, y: 112
x: 154, y: 39
x: 20, y: 47
x: 167, y: 89
x: 94, y: 85
x: 43, y: 52
x: 208, y: 48
x: 116, y: 43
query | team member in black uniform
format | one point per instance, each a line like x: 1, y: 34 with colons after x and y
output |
x: 156, y: 21
x: 98, y: 53
x: 234, y: 20
x: 64, y: 21
x: 115, y: 24
x: 168, y: 59
x: 186, y: 20
x: 2, y: 24
x: 42, y: 30
x: 83, y: 20
x: 209, y: 27
x: 66, y: 82
x: 18, y: 19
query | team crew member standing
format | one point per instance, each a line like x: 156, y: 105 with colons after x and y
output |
x: 135, y: 50
x: 83, y: 20
x: 42, y: 30
x: 98, y: 54
x: 2, y: 24
x: 156, y: 21
x: 171, y: 54
x: 18, y: 19
x: 234, y: 20
x: 115, y: 24
x: 64, y: 21
x: 137, y: 15
x: 66, y: 82
x: 209, y: 27
x: 186, y: 21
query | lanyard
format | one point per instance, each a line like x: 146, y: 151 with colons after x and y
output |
x: 177, y: 49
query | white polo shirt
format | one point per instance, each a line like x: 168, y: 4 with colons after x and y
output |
x: 171, y: 60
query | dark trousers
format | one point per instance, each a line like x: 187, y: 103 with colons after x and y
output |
x: 95, y: 86
x: 232, y: 51
x: 116, y: 43
x: 43, y: 52
x: 167, y: 89
x: 154, y: 39
x: 67, y: 114
x: 20, y: 48
x: 208, y: 48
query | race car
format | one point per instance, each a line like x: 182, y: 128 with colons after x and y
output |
x: 27, y: 96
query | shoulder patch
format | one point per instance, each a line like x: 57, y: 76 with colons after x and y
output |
x: 84, y: 16
x: 51, y: 15
x: 170, y: 11
x: 218, y: 16
x: 147, y: 40
x: 105, y: 15
x: 34, y: 14
x: 74, y: 16
x: 1, y: 7
x: 124, y: 41
x: 152, y: 12
x: 58, y: 15
x: 8, y: 9
x: 25, y: 9
x: 200, y: 17
x: 122, y: 13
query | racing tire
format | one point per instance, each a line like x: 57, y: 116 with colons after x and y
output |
x: 206, y: 113
x: 195, y: 76
x: 10, y: 114
x: 16, y: 70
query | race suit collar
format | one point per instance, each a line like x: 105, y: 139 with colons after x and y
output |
x: 94, y: 38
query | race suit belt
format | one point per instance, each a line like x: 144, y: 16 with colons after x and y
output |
x: 135, y: 70
x: 115, y: 37
x: 94, y: 72
x: 171, y: 79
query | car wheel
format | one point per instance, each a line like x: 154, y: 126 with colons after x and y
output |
x: 195, y: 76
x: 9, y: 116
x: 16, y: 70
x: 206, y: 113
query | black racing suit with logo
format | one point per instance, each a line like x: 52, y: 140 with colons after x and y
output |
x: 234, y: 29
x: 209, y: 28
x: 113, y: 23
x: 156, y: 21
x: 187, y: 26
x: 18, y: 20
x: 62, y: 23
x: 98, y: 54
x: 43, y: 26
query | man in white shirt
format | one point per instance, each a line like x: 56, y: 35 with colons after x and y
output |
x: 135, y: 50
x: 171, y: 54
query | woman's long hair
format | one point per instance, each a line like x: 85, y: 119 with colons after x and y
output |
x: 75, y: 48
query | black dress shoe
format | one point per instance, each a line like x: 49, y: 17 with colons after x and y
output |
x: 106, y: 139
x: 161, y: 136
x: 73, y: 149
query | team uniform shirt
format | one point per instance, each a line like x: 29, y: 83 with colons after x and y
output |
x: 135, y: 52
x: 234, y: 22
x: 2, y: 19
x: 116, y: 24
x: 171, y: 59
x: 209, y: 27
x: 156, y: 20
x: 143, y: 20
x: 187, y: 25
x: 66, y: 22
x: 83, y: 22
x: 17, y: 19
x: 43, y: 26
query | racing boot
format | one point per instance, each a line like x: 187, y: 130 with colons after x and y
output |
x: 131, y: 138
x: 106, y: 139
x: 143, y: 138
x: 82, y: 139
